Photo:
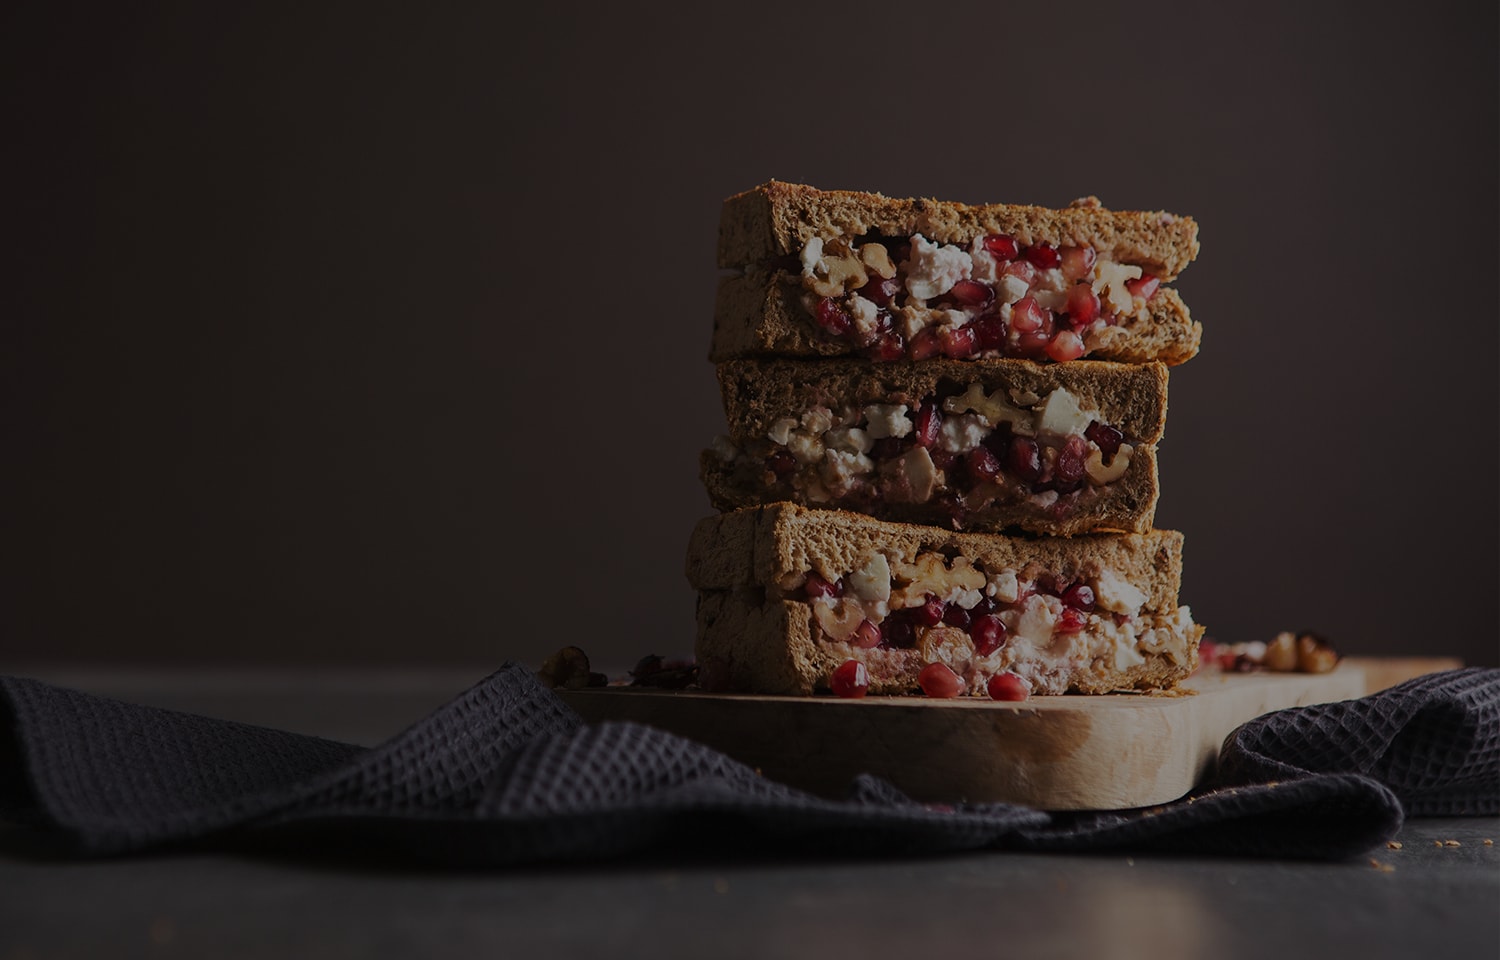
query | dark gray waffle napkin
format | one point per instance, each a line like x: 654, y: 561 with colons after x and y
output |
x: 507, y: 774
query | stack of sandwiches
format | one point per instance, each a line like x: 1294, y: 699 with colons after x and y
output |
x: 939, y: 475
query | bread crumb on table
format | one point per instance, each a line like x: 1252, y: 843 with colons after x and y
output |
x: 1382, y: 867
x: 1451, y: 843
x: 1393, y: 844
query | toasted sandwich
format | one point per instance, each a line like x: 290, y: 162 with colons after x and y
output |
x: 798, y: 601
x: 840, y: 273
x: 1057, y: 449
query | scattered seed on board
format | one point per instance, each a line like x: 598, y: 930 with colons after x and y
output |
x: 1393, y: 844
x: 1451, y: 843
x: 1382, y: 867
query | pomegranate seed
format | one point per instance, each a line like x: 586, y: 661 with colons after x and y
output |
x: 1105, y: 437
x: 1033, y: 345
x: 1145, y: 287
x: 1066, y: 346
x: 1022, y: 270
x: 1008, y: 686
x: 988, y: 633
x: 866, y: 635
x: 929, y: 614
x: 939, y: 681
x: 925, y: 344
x: 989, y: 332
x: 1043, y: 255
x: 1080, y: 596
x: 1001, y: 247
x: 880, y: 291
x: 1068, y: 473
x: 816, y: 586
x: 984, y: 606
x: 1083, y: 304
x: 850, y: 680
x: 898, y: 633
x: 972, y: 293
x: 888, y: 347
x: 1025, y: 459
x: 781, y: 463
x: 956, y: 616
x: 928, y: 423
x: 1070, y: 621
x: 1077, y: 262
x: 1028, y: 316
x: 833, y: 318
x: 958, y: 342
x: 983, y: 464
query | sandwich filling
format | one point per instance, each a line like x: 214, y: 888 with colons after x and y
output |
x: 969, y: 450
x: 909, y: 297
x: 899, y: 618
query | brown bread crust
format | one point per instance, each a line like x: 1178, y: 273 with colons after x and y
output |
x: 1131, y: 397
x: 761, y: 314
x: 777, y: 219
x: 768, y: 644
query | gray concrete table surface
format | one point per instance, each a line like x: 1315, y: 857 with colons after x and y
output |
x: 1427, y: 898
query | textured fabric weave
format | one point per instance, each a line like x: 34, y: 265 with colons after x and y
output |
x: 507, y: 774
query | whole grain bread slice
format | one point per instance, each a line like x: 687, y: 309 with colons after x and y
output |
x: 777, y: 219
x: 761, y: 314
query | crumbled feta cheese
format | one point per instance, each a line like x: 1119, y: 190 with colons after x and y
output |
x: 887, y: 420
x: 812, y: 252
x: 817, y: 420
x: 805, y: 447
x: 865, y: 315
x: 967, y: 599
x: 931, y: 270
x: 848, y: 440
x: 781, y: 430
x: 1010, y: 289
x: 1118, y: 595
x: 1059, y: 415
x: 963, y: 433
x: 841, y: 468
x: 1038, y: 618
x: 1051, y: 279
x: 985, y: 267
x: 873, y: 580
x: 1054, y: 300
x: 1003, y: 586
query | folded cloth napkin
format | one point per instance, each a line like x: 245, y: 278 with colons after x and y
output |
x: 507, y: 774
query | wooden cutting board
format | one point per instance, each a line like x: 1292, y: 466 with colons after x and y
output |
x: 1053, y: 753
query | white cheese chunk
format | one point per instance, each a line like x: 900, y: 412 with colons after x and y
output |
x: 887, y: 420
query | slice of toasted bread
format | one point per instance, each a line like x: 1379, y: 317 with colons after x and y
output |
x: 777, y: 219
x: 763, y: 400
x: 766, y: 633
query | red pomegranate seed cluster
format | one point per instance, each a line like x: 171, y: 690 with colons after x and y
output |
x: 902, y: 630
x: 1032, y: 331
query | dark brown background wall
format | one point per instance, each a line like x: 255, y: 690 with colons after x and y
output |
x: 379, y: 335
